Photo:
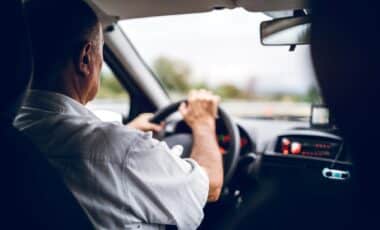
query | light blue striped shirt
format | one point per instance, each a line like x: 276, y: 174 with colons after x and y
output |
x: 122, y: 178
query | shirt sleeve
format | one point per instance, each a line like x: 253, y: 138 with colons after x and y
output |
x: 162, y: 187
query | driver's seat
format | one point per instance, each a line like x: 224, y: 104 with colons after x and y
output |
x: 35, y: 196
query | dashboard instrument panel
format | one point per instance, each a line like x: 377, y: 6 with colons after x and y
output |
x: 309, y: 146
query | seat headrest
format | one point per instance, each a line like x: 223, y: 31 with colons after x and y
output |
x: 16, y: 64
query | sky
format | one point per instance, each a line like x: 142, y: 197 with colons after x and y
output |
x: 223, y: 47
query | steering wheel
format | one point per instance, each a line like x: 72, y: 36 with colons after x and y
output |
x: 230, y: 158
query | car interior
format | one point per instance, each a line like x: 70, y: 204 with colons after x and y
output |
x: 313, y: 171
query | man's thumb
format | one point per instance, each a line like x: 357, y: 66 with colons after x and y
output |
x: 182, y: 108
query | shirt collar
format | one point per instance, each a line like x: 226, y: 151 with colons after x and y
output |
x: 55, y: 102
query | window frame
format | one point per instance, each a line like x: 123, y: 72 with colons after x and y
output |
x: 139, y: 102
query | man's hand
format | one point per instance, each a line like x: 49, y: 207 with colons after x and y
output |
x: 201, y: 110
x: 142, y: 123
x: 200, y: 113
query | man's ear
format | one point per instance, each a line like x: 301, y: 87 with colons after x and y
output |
x: 83, y: 61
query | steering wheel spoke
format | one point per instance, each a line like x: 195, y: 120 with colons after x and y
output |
x: 183, y: 139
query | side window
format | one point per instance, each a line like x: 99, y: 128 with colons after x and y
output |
x: 112, y: 99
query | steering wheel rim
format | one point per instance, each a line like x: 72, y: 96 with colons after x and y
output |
x: 230, y: 159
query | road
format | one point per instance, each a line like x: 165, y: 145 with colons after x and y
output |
x: 261, y: 129
x: 235, y: 108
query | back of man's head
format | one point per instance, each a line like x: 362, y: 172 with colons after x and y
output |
x: 58, y: 29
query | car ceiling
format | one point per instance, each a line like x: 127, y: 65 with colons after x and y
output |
x: 124, y: 9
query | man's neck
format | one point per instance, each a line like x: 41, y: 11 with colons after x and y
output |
x: 63, y: 87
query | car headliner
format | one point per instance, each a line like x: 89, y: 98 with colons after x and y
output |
x: 124, y: 9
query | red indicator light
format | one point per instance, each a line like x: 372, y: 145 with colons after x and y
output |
x: 285, y: 144
x: 285, y: 141
x: 226, y: 138
x: 296, y: 148
x: 243, y: 142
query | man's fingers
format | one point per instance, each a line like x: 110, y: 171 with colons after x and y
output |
x: 201, y: 95
x: 215, y: 99
x: 148, y: 115
x: 183, y: 109
x: 156, y: 128
x: 152, y: 126
x: 192, y: 95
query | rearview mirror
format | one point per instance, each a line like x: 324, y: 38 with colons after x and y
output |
x: 286, y: 31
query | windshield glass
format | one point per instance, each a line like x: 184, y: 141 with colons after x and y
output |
x: 221, y: 51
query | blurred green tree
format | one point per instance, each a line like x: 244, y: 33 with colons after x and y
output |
x: 200, y: 85
x: 313, y: 95
x: 230, y: 91
x: 174, y: 74
x: 110, y: 87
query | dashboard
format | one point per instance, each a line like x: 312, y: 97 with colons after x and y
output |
x: 309, y: 145
x: 295, y: 139
x: 274, y: 137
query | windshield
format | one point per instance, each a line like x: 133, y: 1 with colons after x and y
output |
x: 221, y: 51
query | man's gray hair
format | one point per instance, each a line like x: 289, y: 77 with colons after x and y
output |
x: 58, y: 28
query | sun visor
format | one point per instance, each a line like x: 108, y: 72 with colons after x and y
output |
x: 124, y: 9
x: 272, y: 5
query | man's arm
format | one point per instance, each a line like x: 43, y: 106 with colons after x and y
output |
x: 200, y: 113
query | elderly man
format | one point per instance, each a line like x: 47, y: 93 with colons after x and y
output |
x: 121, y: 176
